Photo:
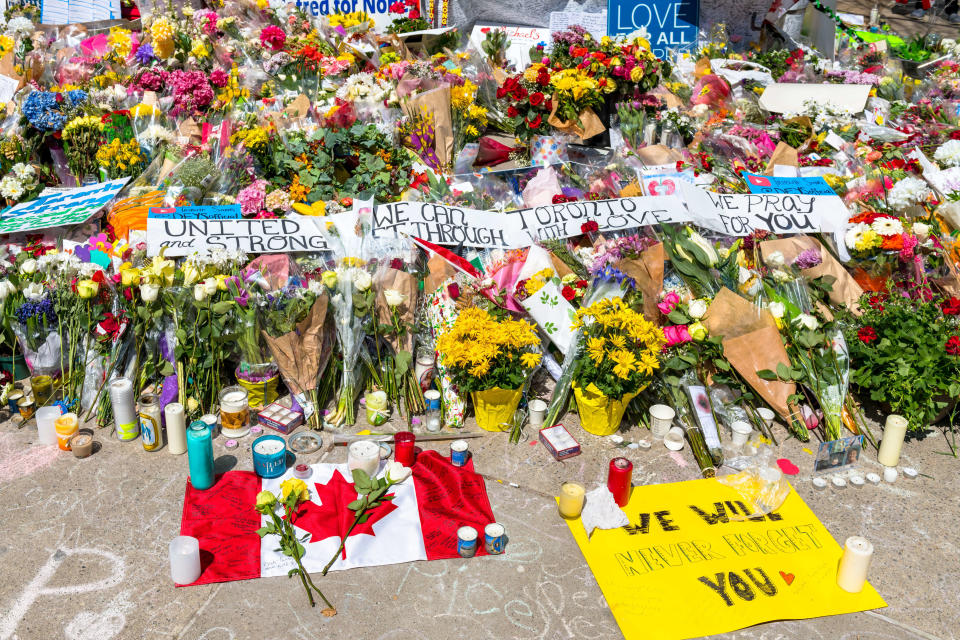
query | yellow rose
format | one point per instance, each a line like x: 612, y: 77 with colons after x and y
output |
x: 163, y: 269
x: 265, y: 501
x: 222, y: 282
x: 296, y: 487
x: 86, y: 289
x: 329, y: 279
x: 636, y: 73
x: 128, y: 275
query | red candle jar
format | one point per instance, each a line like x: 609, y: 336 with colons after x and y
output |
x: 403, y: 450
x: 620, y: 479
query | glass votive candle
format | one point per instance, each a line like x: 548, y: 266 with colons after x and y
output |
x: 403, y: 447
x: 234, y: 412
x: 375, y: 403
x: 42, y: 388
x: 572, y: 497
x: 47, y: 424
x: 66, y: 427
x: 269, y: 456
x: 365, y: 455
x: 184, y: 559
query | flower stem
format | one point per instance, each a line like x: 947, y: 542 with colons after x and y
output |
x: 343, y: 543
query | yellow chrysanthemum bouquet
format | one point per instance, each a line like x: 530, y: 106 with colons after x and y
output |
x: 490, y: 359
x: 621, y: 350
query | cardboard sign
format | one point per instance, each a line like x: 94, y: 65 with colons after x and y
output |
x: 672, y: 24
x: 699, y: 542
x: 519, y: 41
x: 185, y: 237
x: 62, y: 207
x: 205, y: 212
x: 771, y: 184
x: 446, y: 225
x: 789, y: 97
x: 379, y: 10
x: 553, y: 314
x: 737, y: 214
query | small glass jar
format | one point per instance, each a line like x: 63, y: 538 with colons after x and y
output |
x: 41, y: 384
x: 425, y: 367
x: 151, y: 434
x: 234, y: 412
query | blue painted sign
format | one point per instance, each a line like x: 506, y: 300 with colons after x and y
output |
x: 815, y: 186
x: 671, y: 24
x: 204, y: 212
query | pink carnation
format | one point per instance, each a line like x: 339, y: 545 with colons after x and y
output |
x: 273, y: 37
x: 191, y: 91
x: 219, y: 77
x: 669, y: 303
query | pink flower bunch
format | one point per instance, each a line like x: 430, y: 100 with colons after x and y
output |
x: 273, y: 37
x: 332, y: 66
x: 677, y: 334
x: 191, y: 91
x: 668, y: 303
x: 150, y: 80
x: 207, y: 21
x: 910, y: 242
x: 251, y: 198
x: 219, y: 77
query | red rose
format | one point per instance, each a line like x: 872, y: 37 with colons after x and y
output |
x: 512, y: 112
x: 397, y: 7
x: 581, y: 284
x: 955, y: 134
x: 520, y: 93
x: 953, y: 346
x: 501, y: 92
x: 867, y: 335
x: 533, y: 124
x: 549, y: 105
x: 536, y: 98
x: 396, y: 263
x: 569, y: 294
x: 951, y: 307
x: 454, y: 290
x: 559, y: 199
x: 543, y: 78
x: 589, y: 227
x: 876, y: 301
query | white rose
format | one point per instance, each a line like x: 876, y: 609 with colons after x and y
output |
x: 776, y: 309
x: 921, y: 230
x: 200, y: 293
x: 697, y: 308
x: 781, y: 276
x: 394, y: 298
x: 743, y: 275
x: 776, y: 259
x: 149, y: 292
x: 29, y: 266
x: 315, y: 287
x: 210, y: 286
x: 362, y: 280
x: 6, y: 288
x: 807, y: 321
x: 397, y: 473
x: 34, y: 291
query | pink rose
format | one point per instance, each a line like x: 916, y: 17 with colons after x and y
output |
x: 668, y: 303
x: 677, y: 334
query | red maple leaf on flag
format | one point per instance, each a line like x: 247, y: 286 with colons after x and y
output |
x: 332, y: 517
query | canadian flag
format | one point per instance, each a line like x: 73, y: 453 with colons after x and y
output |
x: 420, y: 523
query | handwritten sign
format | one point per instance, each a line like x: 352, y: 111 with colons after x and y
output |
x: 205, y: 212
x: 672, y: 24
x: 739, y: 214
x: 57, y: 208
x: 185, y: 237
x: 699, y: 542
x: 815, y: 186
x: 442, y: 224
x: 519, y: 41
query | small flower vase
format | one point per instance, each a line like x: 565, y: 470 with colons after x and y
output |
x: 495, y: 407
x: 599, y: 414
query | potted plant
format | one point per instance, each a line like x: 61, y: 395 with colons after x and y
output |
x: 621, y: 351
x: 490, y: 359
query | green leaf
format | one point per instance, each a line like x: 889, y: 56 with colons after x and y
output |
x: 355, y: 505
x: 766, y: 374
x: 293, y: 572
x: 262, y: 531
x: 678, y: 317
x: 783, y: 371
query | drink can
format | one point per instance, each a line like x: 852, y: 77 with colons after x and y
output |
x: 459, y: 453
x: 494, y: 538
x: 466, y: 542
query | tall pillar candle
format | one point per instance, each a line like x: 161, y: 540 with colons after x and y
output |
x: 176, y: 428
x: 124, y: 409
x: 894, y: 432
x: 852, y: 573
x: 620, y: 480
x: 200, y: 454
x: 184, y: 559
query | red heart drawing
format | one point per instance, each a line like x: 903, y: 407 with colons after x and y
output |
x: 788, y: 578
x: 668, y: 187
x: 788, y: 467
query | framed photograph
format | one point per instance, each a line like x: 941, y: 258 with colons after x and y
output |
x: 836, y: 455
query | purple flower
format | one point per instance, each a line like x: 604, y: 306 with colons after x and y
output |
x: 808, y: 259
x: 144, y: 54
x: 242, y: 298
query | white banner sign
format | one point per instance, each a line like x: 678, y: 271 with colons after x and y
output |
x: 184, y: 237
x: 442, y: 224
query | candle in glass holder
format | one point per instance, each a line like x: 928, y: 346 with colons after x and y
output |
x: 620, y: 480
x: 151, y: 435
x: 424, y: 367
x: 364, y: 455
x: 66, y: 427
x: 852, y: 573
x: 270, y: 456
x: 375, y: 403
x: 894, y: 432
x: 124, y: 409
x: 46, y: 424
x: 176, y: 428
x: 184, y: 559
x: 42, y: 388
x: 572, y: 496
x: 403, y: 444
x: 234, y: 412
x: 200, y: 455
x: 82, y: 445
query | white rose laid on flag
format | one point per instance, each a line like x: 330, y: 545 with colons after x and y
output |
x: 420, y: 523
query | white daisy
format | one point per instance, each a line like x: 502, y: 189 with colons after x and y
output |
x: 887, y: 226
x: 854, y: 233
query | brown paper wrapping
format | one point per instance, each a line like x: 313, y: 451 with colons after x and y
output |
x: 438, y: 271
x: 647, y: 270
x: 784, y: 154
x: 591, y: 124
x: 802, y: 120
x: 846, y: 291
x: 669, y: 98
x: 436, y: 102
x: 406, y: 284
x: 758, y: 350
x: 731, y: 316
x: 657, y: 154
x: 560, y: 266
x: 298, y: 108
x: 304, y: 353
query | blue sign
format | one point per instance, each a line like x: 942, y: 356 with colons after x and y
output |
x: 671, y: 24
x: 815, y: 186
x: 204, y: 212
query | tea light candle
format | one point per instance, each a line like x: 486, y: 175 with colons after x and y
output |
x: 890, y: 474
x: 124, y: 409
x: 82, y: 445
x: 894, y: 432
x: 819, y: 483
x: 852, y: 573
x: 873, y: 478
x: 910, y: 473
x: 364, y: 455
x: 856, y: 481
x: 838, y: 482
x: 176, y: 428
x: 572, y: 496
x: 302, y: 471
x: 270, y: 456
x: 184, y: 559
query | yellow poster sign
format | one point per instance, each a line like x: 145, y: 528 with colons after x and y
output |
x: 691, y: 563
